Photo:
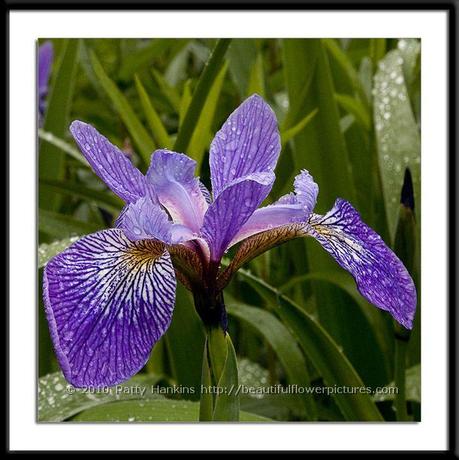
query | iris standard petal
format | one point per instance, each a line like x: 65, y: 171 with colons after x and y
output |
x: 145, y: 219
x: 110, y: 164
x: 291, y: 208
x: 247, y: 143
x: 380, y: 276
x: 108, y: 301
x: 178, y: 190
x: 232, y: 208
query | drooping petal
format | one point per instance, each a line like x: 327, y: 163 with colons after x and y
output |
x: 178, y: 190
x: 247, y: 143
x: 291, y: 208
x: 231, y: 210
x: 380, y: 276
x: 110, y: 164
x: 108, y: 301
x: 145, y: 219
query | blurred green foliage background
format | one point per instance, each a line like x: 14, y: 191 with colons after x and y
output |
x: 349, y: 112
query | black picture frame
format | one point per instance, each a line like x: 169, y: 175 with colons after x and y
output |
x: 450, y: 6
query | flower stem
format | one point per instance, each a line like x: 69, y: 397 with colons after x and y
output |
x: 219, y: 381
x: 402, y: 337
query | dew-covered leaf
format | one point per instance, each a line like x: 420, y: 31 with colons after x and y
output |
x: 397, y: 134
x: 58, y: 400
x: 158, y: 410
x: 63, y: 226
x: 48, y: 251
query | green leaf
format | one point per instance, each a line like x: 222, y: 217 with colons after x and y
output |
x: 185, y: 101
x: 63, y: 146
x: 379, y: 327
x: 48, y: 251
x: 320, y: 147
x: 184, y: 342
x: 202, y: 133
x: 144, y: 55
x: 347, y: 68
x: 51, y: 162
x: 200, y: 95
x: 105, y: 200
x: 242, y: 54
x: 58, y: 400
x: 283, y: 344
x: 289, y: 134
x: 413, y: 387
x: 227, y: 399
x: 355, y: 108
x: 397, y: 135
x: 63, y: 226
x: 154, y: 121
x: 322, y: 350
x: 257, y: 78
x: 169, y: 92
x: 122, y: 106
x: 158, y: 410
x: 206, y: 402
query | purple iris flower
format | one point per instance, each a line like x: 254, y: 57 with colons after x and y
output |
x: 109, y: 297
x: 45, y: 61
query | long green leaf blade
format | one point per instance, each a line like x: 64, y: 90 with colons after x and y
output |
x: 51, y: 162
x: 122, y: 106
x: 323, y: 352
x: 283, y: 344
x: 200, y: 94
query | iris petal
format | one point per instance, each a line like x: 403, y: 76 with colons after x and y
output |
x: 110, y: 164
x: 178, y: 190
x: 247, y: 143
x: 380, y: 276
x: 146, y: 220
x: 45, y: 60
x: 108, y: 301
x: 231, y: 210
x: 291, y: 208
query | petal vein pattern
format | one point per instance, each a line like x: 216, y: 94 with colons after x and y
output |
x: 380, y: 276
x: 110, y: 164
x: 108, y: 301
x: 247, y: 143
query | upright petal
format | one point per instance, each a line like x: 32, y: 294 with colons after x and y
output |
x: 380, y: 276
x: 247, y: 143
x: 110, y: 164
x: 107, y: 301
x: 178, y: 190
x: 231, y: 210
x: 146, y: 220
x: 291, y: 208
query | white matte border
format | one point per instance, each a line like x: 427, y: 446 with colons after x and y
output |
x: 25, y: 433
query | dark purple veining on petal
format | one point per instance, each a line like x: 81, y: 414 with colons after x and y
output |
x: 231, y: 210
x: 380, y: 276
x: 108, y: 301
x: 247, y: 143
x: 110, y: 164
